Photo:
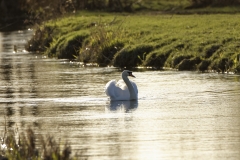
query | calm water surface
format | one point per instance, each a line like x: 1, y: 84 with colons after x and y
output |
x: 179, y: 115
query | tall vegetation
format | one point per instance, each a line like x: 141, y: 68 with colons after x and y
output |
x: 40, y: 10
x: 204, y: 3
x: 105, y: 39
x: 27, y: 145
x: 15, y: 13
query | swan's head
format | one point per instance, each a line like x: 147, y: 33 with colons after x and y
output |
x: 126, y: 73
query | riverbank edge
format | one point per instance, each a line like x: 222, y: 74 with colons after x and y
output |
x: 76, y: 44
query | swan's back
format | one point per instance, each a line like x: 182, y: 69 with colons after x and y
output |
x: 119, y: 90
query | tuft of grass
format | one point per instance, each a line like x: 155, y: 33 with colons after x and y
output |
x: 188, y: 64
x: 102, y: 44
x: 68, y: 45
x: 41, y: 39
x: 132, y: 56
x: 24, y: 146
x: 157, y: 58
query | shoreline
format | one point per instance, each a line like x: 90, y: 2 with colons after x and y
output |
x: 183, y: 42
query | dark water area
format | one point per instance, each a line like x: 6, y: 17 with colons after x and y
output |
x: 179, y: 115
x: 12, y: 25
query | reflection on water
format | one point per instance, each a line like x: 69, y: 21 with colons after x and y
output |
x: 125, y: 106
x: 179, y: 115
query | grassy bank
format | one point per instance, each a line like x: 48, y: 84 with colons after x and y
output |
x: 185, y: 42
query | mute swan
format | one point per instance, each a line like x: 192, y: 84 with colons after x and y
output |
x: 124, y: 89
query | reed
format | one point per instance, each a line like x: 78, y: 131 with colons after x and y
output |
x: 104, y: 41
x: 22, y: 146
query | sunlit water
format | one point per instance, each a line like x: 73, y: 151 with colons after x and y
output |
x: 179, y: 115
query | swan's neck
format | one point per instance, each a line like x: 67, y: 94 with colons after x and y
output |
x: 130, y: 88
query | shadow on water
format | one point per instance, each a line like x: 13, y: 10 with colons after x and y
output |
x: 125, y: 106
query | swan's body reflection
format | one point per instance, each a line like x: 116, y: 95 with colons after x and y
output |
x: 124, y: 106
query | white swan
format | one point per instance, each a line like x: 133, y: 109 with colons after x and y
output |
x: 124, y: 89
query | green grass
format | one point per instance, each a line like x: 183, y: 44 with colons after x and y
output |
x: 29, y: 145
x: 148, y: 39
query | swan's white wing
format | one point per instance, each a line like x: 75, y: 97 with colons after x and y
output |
x: 110, y: 88
x: 117, y: 90
x: 123, y: 92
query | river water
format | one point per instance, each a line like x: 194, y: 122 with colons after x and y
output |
x: 179, y: 115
